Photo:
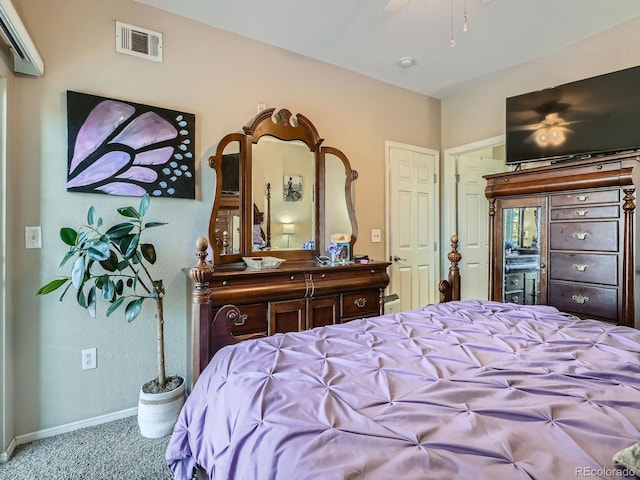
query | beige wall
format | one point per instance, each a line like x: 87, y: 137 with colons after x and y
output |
x: 220, y: 78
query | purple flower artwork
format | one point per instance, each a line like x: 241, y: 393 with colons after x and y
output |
x: 123, y: 148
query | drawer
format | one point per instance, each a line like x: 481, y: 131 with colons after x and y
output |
x: 360, y: 304
x: 514, y: 297
x: 600, y: 236
x: 254, y: 281
x: 585, y: 301
x: 584, y: 267
x: 254, y: 318
x: 585, y: 212
x: 586, y: 198
x: 513, y: 281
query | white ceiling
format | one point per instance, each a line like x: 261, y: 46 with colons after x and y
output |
x: 361, y: 36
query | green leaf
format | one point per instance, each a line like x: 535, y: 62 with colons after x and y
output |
x: 52, y: 285
x: 148, y: 252
x: 118, y: 231
x: 119, y: 287
x: 122, y: 265
x: 67, y: 256
x: 144, y: 204
x: 114, y: 306
x: 108, y: 290
x: 154, y: 224
x: 133, y: 309
x: 82, y: 301
x: 124, y: 244
x: 129, y: 245
x: 100, y: 281
x: 77, y: 272
x: 99, y: 222
x: 129, y: 212
x: 91, y: 302
x: 69, y: 236
x: 91, y: 215
x: 111, y: 263
x: 65, y: 291
x: 80, y: 241
x: 99, y: 251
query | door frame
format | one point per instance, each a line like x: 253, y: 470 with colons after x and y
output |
x: 7, y: 439
x: 388, y: 145
x: 449, y: 223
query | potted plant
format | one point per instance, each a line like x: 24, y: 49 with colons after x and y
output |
x: 115, y: 264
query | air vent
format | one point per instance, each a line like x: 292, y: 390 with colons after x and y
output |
x: 138, y: 42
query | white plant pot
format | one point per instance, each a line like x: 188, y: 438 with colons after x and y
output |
x: 158, y: 412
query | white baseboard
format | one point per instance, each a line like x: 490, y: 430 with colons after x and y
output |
x: 69, y: 427
x: 5, y: 456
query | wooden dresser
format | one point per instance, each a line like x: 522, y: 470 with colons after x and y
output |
x: 297, y: 295
x: 584, y: 261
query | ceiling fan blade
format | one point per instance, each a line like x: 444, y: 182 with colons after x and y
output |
x: 394, y: 6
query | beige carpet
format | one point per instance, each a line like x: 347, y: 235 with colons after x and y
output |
x: 111, y: 451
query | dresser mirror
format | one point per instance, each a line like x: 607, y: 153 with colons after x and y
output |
x: 226, y: 226
x: 283, y: 181
x: 339, y: 197
x: 292, y: 196
x: 521, y: 255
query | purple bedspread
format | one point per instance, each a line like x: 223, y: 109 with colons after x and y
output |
x: 461, y: 390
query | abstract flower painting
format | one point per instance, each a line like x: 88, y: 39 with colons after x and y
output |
x: 124, y: 148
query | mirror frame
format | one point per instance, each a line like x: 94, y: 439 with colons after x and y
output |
x: 286, y: 127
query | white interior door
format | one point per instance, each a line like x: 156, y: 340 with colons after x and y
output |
x: 413, y: 223
x: 473, y: 223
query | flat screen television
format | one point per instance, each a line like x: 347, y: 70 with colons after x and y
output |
x: 595, y: 116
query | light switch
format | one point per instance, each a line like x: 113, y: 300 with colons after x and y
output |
x: 33, y: 237
x: 376, y: 235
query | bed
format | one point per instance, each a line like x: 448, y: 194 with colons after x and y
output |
x: 461, y: 389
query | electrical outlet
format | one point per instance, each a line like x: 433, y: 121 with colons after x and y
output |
x: 89, y: 359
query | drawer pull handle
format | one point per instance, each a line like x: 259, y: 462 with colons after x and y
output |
x: 582, y: 213
x: 515, y: 299
x: 582, y: 235
x: 581, y: 267
x: 580, y: 299
x: 514, y: 281
x: 360, y: 302
x: 235, y: 318
x: 582, y: 198
x: 242, y: 319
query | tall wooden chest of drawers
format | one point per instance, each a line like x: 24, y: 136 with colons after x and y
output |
x: 586, y: 238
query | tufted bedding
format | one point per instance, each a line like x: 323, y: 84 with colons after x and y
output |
x: 459, y: 390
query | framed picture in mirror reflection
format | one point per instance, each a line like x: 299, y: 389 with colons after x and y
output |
x: 292, y: 188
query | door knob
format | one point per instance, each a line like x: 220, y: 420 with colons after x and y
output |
x: 396, y: 258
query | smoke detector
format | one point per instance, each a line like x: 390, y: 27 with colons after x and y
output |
x: 406, y: 62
